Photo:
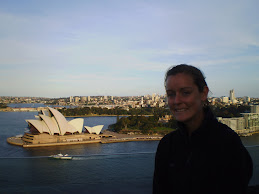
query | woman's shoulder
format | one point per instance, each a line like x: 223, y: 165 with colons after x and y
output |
x: 222, y: 128
x: 223, y: 132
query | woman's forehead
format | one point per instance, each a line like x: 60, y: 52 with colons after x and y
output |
x: 180, y: 80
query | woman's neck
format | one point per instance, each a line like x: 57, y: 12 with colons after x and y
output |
x: 195, y: 123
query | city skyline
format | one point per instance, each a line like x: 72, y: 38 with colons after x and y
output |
x: 231, y: 97
x: 111, y: 48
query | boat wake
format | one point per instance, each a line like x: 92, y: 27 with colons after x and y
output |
x: 87, y: 157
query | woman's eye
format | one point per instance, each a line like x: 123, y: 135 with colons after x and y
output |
x: 187, y: 93
x: 171, y: 95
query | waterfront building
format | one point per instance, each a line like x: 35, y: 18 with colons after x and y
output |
x: 249, y: 123
x: 236, y: 123
x: 255, y: 109
x: 51, y: 128
x: 53, y: 122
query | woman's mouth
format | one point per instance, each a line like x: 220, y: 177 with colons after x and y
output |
x: 180, y: 110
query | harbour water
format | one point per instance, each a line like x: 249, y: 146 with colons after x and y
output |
x: 96, y: 168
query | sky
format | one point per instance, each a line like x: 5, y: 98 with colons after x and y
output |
x: 62, y: 48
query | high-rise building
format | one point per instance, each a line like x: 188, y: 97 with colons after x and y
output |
x: 77, y: 99
x: 232, y: 95
x: 71, y: 99
x: 246, y: 99
x: 141, y: 102
x: 88, y: 98
x: 153, y: 97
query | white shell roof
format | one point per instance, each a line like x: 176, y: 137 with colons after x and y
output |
x: 39, y: 125
x: 56, y: 123
x: 77, y: 124
x: 96, y: 129
x: 62, y: 122
x: 51, y: 125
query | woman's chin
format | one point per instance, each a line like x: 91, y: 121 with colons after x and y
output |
x: 181, y: 119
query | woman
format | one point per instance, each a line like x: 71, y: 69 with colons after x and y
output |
x: 202, y: 155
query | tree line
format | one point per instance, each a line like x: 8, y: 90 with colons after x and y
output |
x: 219, y: 111
x: 115, y: 111
x: 151, y: 124
x: 3, y: 105
x: 230, y: 110
x: 143, y: 124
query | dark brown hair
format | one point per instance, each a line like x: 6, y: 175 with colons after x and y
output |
x: 194, y: 72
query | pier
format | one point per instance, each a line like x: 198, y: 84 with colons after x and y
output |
x: 106, y: 137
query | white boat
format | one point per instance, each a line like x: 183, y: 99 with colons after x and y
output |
x: 61, y: 157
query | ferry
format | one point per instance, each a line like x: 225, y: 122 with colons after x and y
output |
x: 61, y: 157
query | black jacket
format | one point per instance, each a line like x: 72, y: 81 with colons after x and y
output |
x: 212, y: 160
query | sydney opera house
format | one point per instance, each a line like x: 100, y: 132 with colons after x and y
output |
x: 51, y: 128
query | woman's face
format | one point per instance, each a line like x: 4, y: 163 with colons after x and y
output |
x: 184, y: 99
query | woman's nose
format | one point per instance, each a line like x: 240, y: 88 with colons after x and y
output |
x: 177, y: 99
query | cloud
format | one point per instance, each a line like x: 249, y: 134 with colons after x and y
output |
x: 129, y: 42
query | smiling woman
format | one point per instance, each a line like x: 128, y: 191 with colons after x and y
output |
x: 202, y: 155
x: 185, y: 100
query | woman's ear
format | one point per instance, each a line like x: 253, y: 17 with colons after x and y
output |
x: 204, y: 93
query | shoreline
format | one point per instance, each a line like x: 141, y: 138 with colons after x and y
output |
x: 115, y: 138
x: 248, y: 134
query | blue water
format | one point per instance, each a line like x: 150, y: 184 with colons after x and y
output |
x: 96, y: 168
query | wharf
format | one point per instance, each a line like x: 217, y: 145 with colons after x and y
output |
x: 106, y: 137
x: 117, y: 137
x: 247, y: 134
x: 116, y: 140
